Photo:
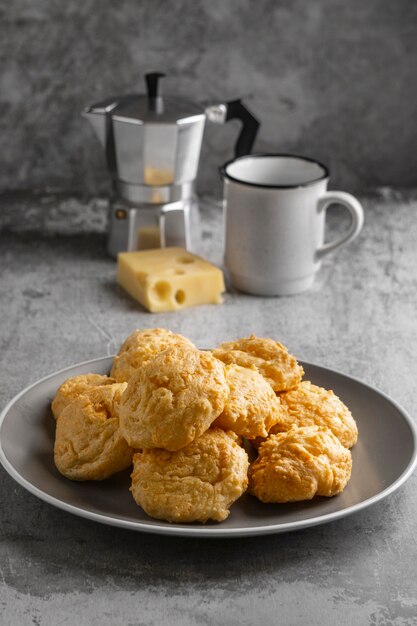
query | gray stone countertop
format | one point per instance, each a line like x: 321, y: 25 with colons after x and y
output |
x: 60, y: 305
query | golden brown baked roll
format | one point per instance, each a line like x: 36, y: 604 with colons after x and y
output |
x: 88, y: 441
x: 197, y: 483
x: 173, y: 398
x: 252, y: 407
x: 270, y: 358
x: 139, y: 347
x: 74, y: 387
x: 299, y: 464
x: 309, y: 405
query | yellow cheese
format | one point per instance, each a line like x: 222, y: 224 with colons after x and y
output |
x: 169, y: 279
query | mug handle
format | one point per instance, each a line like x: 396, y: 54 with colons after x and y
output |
x: 356, y: 212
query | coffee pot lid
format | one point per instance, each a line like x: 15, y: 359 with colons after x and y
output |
x: 151, y: 107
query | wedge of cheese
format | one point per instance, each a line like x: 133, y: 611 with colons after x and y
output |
x: 168, y: 279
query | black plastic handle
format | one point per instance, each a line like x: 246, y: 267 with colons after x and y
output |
x: 250, y: 126
x: 152, y: 84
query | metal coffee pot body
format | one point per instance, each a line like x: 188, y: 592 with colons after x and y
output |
x: 152, y: 146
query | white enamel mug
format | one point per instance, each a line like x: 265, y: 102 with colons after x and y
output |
x: 274, y: 216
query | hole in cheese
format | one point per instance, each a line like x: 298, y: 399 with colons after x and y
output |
x: 141, y: 277
x: 171, y: 271
x: 180, y: 296
x: 162, y: 289
x: 185, y: 260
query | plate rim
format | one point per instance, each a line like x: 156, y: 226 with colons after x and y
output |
x: 204, y: 531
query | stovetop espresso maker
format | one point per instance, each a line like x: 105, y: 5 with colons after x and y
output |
x: 152, y: 145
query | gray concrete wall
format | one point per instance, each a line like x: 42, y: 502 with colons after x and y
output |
x: 333, y: 79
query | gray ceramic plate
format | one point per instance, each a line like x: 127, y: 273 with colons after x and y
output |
x: 383, y: 459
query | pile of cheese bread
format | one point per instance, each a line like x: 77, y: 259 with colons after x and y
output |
x: 183, y: 417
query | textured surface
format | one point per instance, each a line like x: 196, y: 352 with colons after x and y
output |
x: 197, y: 483
x: 332, y: 79
x: 88, y: 442
x: 270, y: 358
x: 309, y: 405
x: 59, y: 304
x: 74, y: 387
x: 252, y: 407
x: 139, y: 347
x: 173, y: 398
x: 300, y: 464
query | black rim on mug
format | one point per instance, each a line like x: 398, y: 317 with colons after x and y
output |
x: 225, y: 174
